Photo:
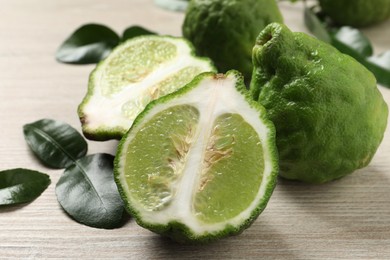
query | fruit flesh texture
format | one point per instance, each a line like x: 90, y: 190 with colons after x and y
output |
x: 356, y: 13
x: 329, y: 115
x: 226, y: 30
x: 137, y: 72
x: 209, y: 166
x: 231, y: 144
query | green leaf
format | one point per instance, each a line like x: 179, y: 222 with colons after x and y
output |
x: 173, y: 5
x: 380, y: 66
x: 382, y: 60
x: 346, y: 49
x: 88, y: 44
x: 21, y: 185
x: 55, y: 143
x: 135, y: 31
x: 87, y: 192
x: 352, y: 42
x: 354, y: 39
x: 315, y: 25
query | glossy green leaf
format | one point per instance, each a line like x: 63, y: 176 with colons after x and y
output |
x: 346, y: 49
x: 55, y: 143
x: 354, y: 39
x: 135, y: 31
x: 382, y: 60
x: 352, y: 42
x: 87, y: 192
x: 315, y: 25
x: 380, y: 66
x: 21, y: 185
x: 88, y: 44
x: 173, y: 5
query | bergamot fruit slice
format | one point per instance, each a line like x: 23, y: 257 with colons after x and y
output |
x: 328, y: 112
x: 200, y: 163
x: 226, y: 30
x: 135, y: 73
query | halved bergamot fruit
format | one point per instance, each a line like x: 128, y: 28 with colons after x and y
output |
x: 201, y: 163
x: 136, y: 72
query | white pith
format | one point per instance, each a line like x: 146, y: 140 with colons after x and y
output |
x: 106, y: 112
x: 212, y: 97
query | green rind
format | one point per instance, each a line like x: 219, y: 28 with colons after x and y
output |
x: 226, y: 30
x: 177, y: 230
x: 105, y: 133
x: 328, y: 113
x: 100, y: 134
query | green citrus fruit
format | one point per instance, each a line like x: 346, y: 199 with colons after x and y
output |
x: 226, y: 30
x: 136, y: 72
x: 357, y: 13
x: 328, y: 112
x: 199, y: 164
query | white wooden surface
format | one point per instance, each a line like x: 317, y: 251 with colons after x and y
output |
x: 345, y: 219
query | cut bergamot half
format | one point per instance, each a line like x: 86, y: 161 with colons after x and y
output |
x: 201, y: 163
x: 136, y: 72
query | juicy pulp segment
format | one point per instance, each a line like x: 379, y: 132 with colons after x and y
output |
x: 233, y: 158
x: 156, y: 161
x: 134, y: 63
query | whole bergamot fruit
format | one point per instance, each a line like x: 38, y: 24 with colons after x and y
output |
x: 226, y: 30
x: 328, y: 112
x: 357, y: 13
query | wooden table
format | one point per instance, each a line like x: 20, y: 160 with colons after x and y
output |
x: 348, y: 219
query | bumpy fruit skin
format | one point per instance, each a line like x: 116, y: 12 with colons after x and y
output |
x: 357, y: 13
x: 226, y: 30
x: 329, y: 115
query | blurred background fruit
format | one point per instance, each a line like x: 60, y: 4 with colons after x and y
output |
x: 357, y: 13
x: 226, y: 30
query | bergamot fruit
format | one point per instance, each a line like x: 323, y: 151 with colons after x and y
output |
x: 226, y: 30
x: 328, y: 112
x: 201, y: 163
x: 357, y: 13
x: 136, y: 72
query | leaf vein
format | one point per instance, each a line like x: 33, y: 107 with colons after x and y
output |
x: 52, y: 140
x: 91, y: 184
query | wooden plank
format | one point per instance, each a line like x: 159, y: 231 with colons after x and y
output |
x: 345, y: 219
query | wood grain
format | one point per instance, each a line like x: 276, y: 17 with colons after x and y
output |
x: 345, y: 219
